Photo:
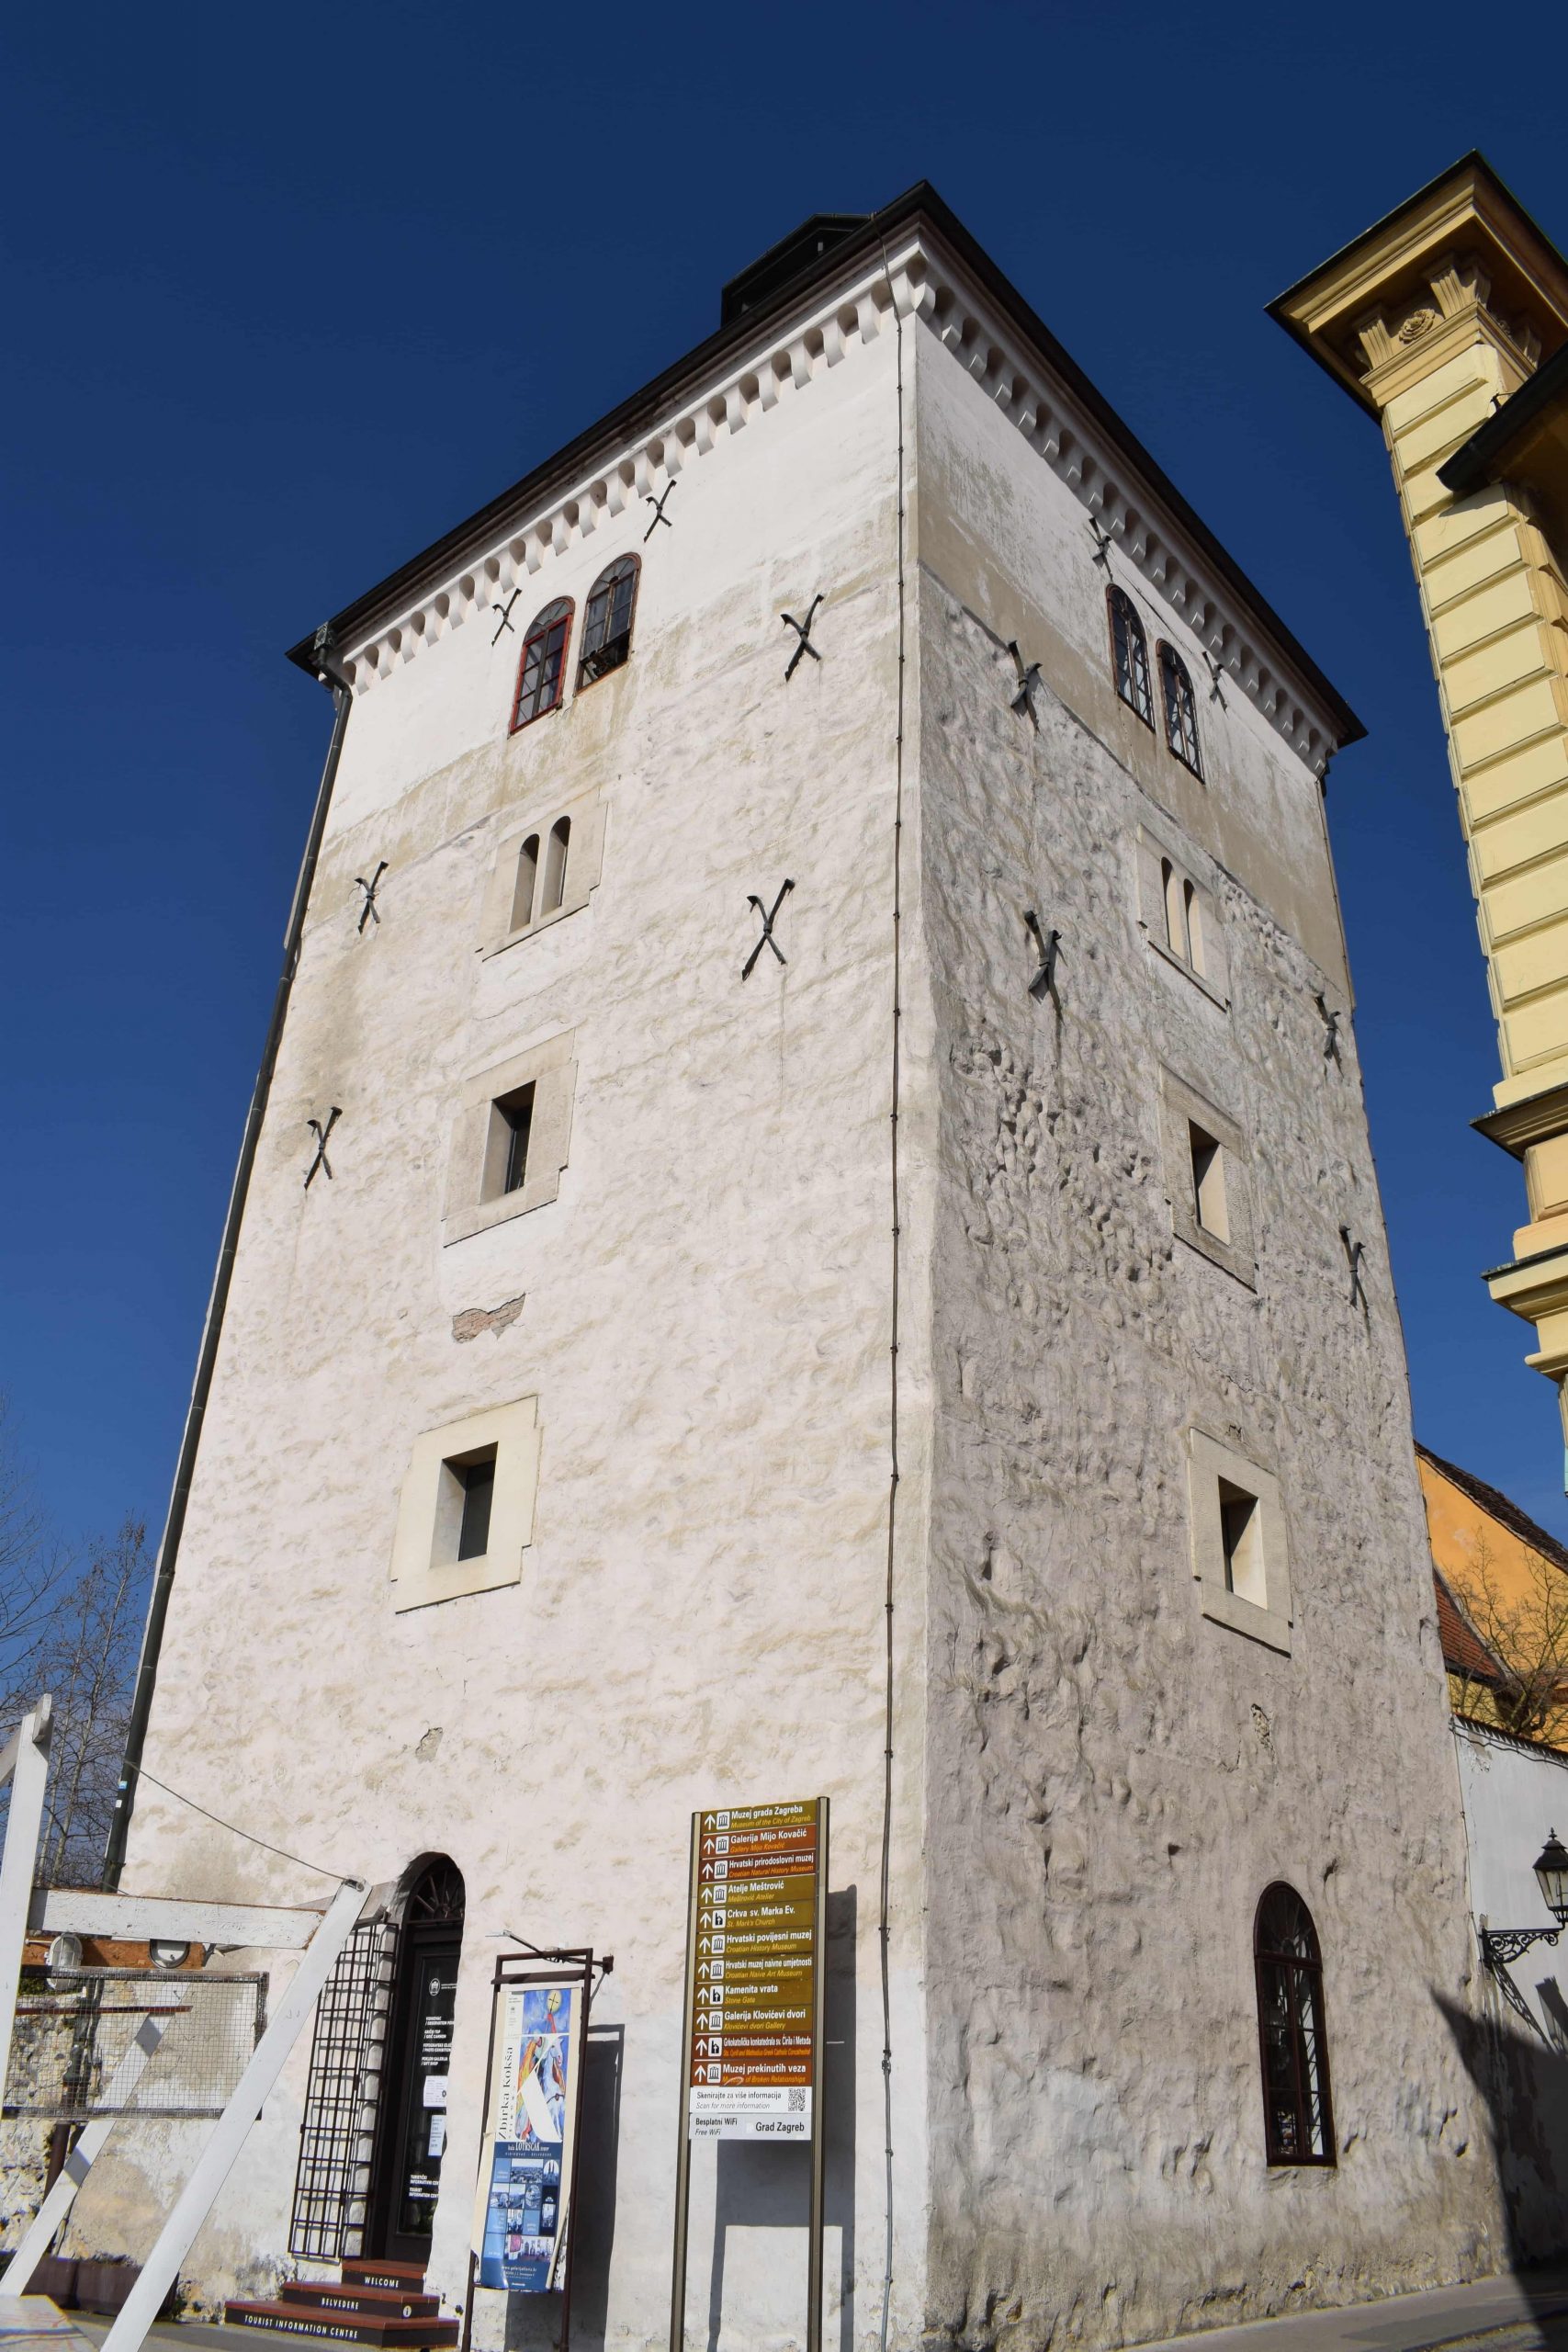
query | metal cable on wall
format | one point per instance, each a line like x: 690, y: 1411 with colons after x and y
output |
x: 886, y: 1882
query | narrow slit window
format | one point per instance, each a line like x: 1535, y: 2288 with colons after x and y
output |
x: 464, y: 1500
x: 1192, y: 915
x: 1298, y: 2107
x: 1130, y: 655
x: 608, y: 620
x: 1175, y: 907
x: 527, y: 882
x: 541, y: 668
x: 1180, y: 709
x: 479, y: 1493
x: 555, y: 865
x: 506, y: 1156
x: 1209, y: 1182
x: 1241, y: 1538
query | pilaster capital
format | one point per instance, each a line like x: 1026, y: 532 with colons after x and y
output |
x: 1459, y: 262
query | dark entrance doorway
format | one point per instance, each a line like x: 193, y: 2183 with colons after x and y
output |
x: 410, y: 2138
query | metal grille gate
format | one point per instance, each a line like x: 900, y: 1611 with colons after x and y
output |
x: 337, y: 2135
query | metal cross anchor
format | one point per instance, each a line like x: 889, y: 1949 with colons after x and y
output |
x: 1103, y: 541
x: 658, y: 514
x: 803, y: 631
x: 1330, y: 1027
x: 1043, y: 984
x: 768, y: 914
x: 505, y: 612
x: 1355, y: 1251
x: 369, y: 912
x: 1215, y: 675
x: 1024, y: 698
x: 321, y: 1134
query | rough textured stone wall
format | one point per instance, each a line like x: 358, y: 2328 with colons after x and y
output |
x: 1113, y: 1779
x: 704, y: 1319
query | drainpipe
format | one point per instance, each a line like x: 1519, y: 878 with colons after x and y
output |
x: 329, y: 672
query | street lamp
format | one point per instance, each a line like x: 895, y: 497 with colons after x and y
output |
x: 1499, y: 1945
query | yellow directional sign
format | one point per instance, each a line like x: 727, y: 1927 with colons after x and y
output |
x: 754, y: 1971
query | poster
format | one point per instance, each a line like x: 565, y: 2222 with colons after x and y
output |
x: 525, y: 2164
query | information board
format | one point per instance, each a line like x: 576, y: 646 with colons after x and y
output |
x: 754, y: 1971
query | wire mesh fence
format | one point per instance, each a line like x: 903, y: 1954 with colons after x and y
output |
x: 141, y: 2041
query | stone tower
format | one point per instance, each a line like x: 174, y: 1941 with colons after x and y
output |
x: 541, y: 1487
x: 1437, y: 320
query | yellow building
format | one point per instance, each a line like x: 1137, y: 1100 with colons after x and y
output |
x: 1501, y: 1586
x: 1449, y: 323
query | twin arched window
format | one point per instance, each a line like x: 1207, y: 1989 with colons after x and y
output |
x: 1130, y: 655
x: 606, y: 641
x: 608, y: 627
x: 536, y: 895
x: 1130, y: 667
x: 541, y: 672
x: 1298, y: 2112
x: 1181, y: 711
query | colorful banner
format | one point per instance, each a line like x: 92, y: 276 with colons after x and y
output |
x: 520, y: 2225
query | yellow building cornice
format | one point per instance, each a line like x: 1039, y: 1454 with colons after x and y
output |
x: 1382, y: 283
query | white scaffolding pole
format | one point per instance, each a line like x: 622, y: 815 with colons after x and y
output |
x: 217, y: 2159
x: 25, y: 1764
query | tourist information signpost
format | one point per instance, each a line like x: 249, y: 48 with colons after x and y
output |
x: 751, y: 2042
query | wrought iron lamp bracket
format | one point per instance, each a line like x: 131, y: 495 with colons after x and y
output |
x: 1500, y: 1945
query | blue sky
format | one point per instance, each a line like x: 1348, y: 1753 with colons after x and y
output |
x: 291, y: 291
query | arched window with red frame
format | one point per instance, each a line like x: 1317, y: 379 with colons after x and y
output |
x: 1298, y: 2111
x: 541, y: 670
x: 1130, y: 655
x: 1180, y: 709
x: 608, y: 620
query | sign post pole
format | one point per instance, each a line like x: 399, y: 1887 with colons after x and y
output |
x: 683, y: 2159
x: 819, y: 2134
x: 751, y: 2036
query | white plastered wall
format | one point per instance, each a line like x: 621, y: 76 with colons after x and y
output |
x: 705, y: 1328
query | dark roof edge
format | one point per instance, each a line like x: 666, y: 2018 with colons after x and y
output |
x: 1485, y: 455
x: 398, y: 588
x: 1501, y: 1507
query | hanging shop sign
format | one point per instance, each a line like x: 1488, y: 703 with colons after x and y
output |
x: 523, y: 2212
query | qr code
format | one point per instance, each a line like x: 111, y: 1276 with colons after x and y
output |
x: 797, y: 2102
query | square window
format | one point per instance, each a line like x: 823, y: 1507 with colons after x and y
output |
x: 466, y: 1511
x: 511, y: 1136
x: 506, y: 1157
x: 463, y: 1514
x: 1207, y: 1179
x: 1239, y: 1543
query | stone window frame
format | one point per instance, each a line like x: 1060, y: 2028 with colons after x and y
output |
x: 1153, y: 857
x: 1182, y: 1108
x: 1210, y: 1462
x: 551, y: 1070
x: 585, y: 855
x: 418, y: 1576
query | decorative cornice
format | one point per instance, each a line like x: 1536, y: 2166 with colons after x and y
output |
x: 921, y: 279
